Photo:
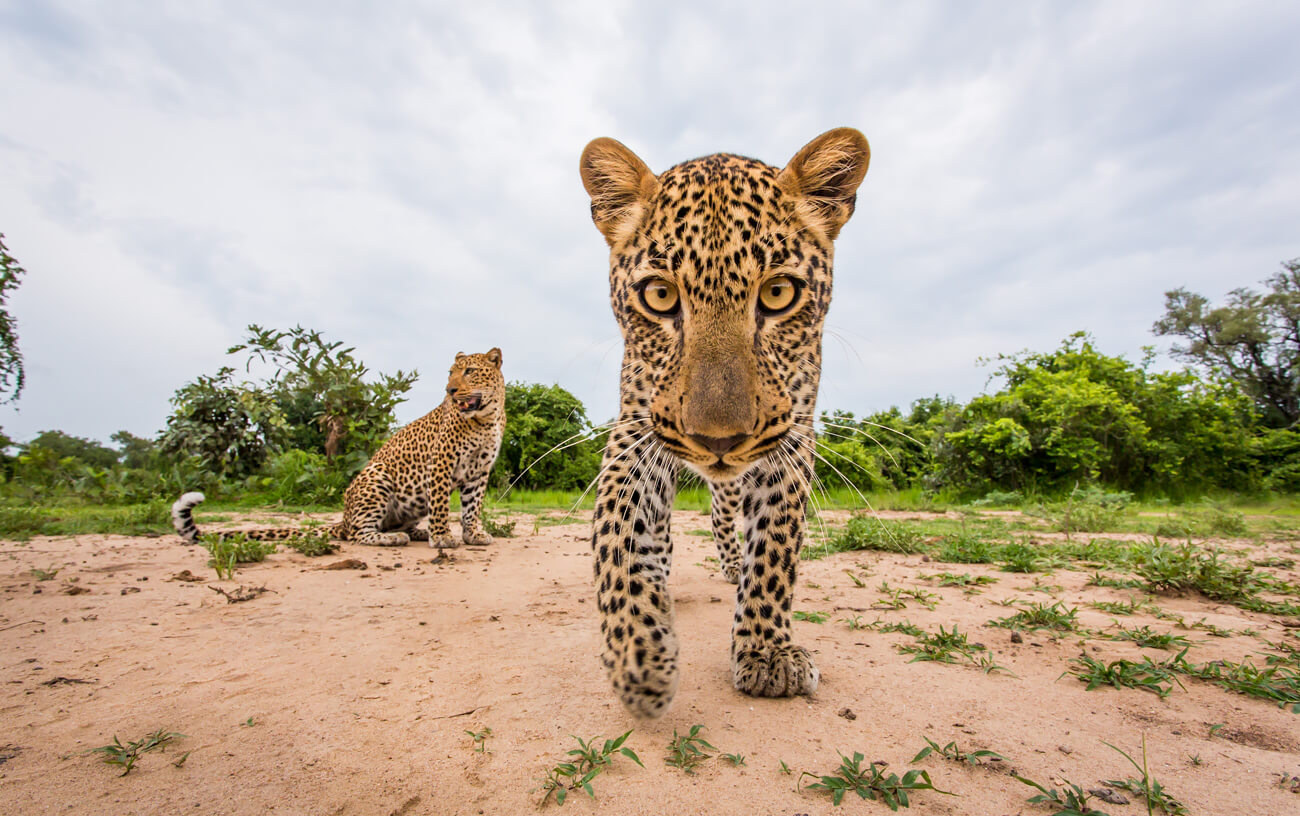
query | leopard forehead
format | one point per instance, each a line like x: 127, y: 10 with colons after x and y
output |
x: 477, y: 371
x: 717, y: 226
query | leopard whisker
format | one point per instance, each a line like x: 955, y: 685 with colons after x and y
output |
x: 585, y: 435
x: 649, y: 433
x: 853, y: 487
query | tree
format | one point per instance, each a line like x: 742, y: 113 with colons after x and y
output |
x: 66, y: 446
x: 1253, y: 340
x: 1075, y: 415
x: 134, y: 452
x: 229, y: 427
x: 882, y: 450
x: 12, y: 374
x: 547, y: 428
x: 322, y: 384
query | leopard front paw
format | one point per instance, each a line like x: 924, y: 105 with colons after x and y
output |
x: 478, y: 538
x: 644, y: 678
x: 731, y: 571
x: 774, y: 671
x: 440, y: 541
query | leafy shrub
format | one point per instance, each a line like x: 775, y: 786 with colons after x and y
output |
x: 312, y: 546
x: 232, y: 549
x: 548, y: 442
x: 303, y: 477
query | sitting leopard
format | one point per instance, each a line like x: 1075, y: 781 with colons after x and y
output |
x: 413, y: 474
x: 720, y: 278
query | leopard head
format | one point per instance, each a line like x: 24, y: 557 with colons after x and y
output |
x: 720, y: 278
x: 475, y: 386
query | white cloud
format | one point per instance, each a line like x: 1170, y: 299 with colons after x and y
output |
x: 404, y: 178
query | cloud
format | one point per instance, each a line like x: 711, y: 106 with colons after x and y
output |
x: 404, y: 178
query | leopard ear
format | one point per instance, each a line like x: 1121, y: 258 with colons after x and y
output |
x: 495, y: 356
x: 824, y: 177
x: 460, y: 355
x: 620, y: 186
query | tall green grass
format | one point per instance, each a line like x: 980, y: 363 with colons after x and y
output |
x: 21, y: 522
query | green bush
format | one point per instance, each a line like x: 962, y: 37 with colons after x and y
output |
x: 303, y: 477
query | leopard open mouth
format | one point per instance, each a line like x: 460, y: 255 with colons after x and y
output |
x: 469, y: 404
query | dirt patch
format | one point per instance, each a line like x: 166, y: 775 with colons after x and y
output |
x: 350, y: 696
x: 1265, y: 739
x: 345, y: 564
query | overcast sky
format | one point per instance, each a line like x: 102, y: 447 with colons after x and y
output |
x: 403, y: 177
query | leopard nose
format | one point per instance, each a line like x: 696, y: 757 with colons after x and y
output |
x: 719, y: 445
x: 451, y: 390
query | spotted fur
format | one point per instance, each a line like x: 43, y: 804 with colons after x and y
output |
x: 412, y: 475
x: 724, y: 509
x: 723, y: 383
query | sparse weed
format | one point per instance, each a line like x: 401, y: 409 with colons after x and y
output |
x: 965, y: 580
x: 945, y: 647
x: 866, y: 533
x: 966, y: 548
x: 1187, y: 567
x: 498, y: 527
x: 1148, y: 638
x: 1020, y: 557
x: 736, y: 760
x: 897, y: 597
x: 1129, y: 607
x: 688, y: 751
x: 1070, y: 799
x: 1275, y: 682
x: 810, y: 617
x: 906, y: 628
x: 1041, y: 615
x: 858, y: 582
x: 988, y: 665
x: 1149, y: 789
x: 955, y: 754
x: 125, y: 756
x: 44, y: 574
x: 856, y: 623
x: 1147, y: 675
x: 480, y: 738
x: 871, y: 783
x: 586, y: 765
x: 1099, y: 579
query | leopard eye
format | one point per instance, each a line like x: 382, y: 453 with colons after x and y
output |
x: 467, y: 372
x: 660, y: 296
x: 778, y: 295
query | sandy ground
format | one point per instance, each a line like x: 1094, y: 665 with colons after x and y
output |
x: 361, y: 684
